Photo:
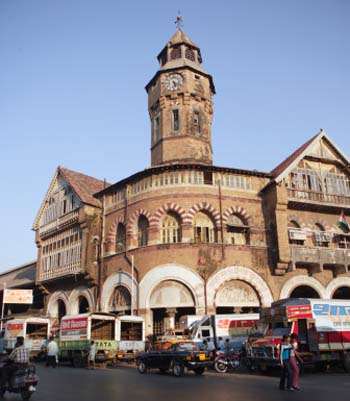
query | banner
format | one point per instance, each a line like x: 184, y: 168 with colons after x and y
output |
x: 18, y: 296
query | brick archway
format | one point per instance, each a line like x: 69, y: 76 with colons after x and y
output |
x: 203, y: 207
x: 168, y: 207
x: 130, y: 229
x: 299, y: 281
x: 239, y: 211
x: 112, y: 232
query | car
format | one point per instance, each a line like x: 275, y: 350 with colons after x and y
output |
x: 174, y: 356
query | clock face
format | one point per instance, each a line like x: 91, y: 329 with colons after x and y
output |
x: 174, y: 81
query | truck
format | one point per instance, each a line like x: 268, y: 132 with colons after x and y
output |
x: 77, y: 332
x: 130, y: 336
x: 236, y: 327
x: 114, y: 337
x: 322, y: 326
x: 35, y: 331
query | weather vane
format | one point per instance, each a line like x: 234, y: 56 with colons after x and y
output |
x: 179, y: 22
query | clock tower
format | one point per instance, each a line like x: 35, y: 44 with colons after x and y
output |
x: 180, y: 105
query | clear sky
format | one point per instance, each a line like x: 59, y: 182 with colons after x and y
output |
x: 72, y: 77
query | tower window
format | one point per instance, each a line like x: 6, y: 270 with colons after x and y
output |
x: 189, y: 54
x: 197, y: 122
x: 156, y: 129
x: 175, y: 53
x: 175, y: 120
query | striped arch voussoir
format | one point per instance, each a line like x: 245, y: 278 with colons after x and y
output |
x: 200, y: 207
x: 239, y: 211
x: 168, y: 207
x: 134, y: 217
x: 112, y: 233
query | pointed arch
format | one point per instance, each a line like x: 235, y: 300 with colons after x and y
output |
x: 55, y: 297
x: 80, y: 291
x: 203, y: 207
x: 114, y: 280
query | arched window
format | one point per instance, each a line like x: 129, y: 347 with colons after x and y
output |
x: 142, y: 227
x: 204, y: 228
x: 296, y: 235
x: 171, y: 228
x: 120, y: 238
x: 83, y: 305
x: 120, y: 301
x: 321, y: 237
x: 237, y: 230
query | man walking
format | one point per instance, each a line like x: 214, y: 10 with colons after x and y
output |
x: 92, y: 355
x: 52, y: 352
x: 286, y: 368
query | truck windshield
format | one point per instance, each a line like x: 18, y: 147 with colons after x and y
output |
x: 131, y: 331
x: 102, y: 329
x: 278, y: 329
x: 36, y: 330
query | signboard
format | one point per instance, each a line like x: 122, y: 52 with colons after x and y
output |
x: 14, y: 329
x: 331, y: 315
x: 299, y: 312
x: 74, y: 328
x: 18, y: 296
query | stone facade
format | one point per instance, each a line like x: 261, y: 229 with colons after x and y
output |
x: 187, y: 237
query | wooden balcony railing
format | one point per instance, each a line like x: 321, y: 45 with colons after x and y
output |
x: 62, y: 221
x: 319, y: 197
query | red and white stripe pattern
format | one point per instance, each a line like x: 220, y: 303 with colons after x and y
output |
x: 130, y: 230
x: 168, y: 207
x: 112, y: 233
x: 203, y: 206
x: 239, y: 211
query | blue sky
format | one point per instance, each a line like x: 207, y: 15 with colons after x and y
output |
x: 73, y: 72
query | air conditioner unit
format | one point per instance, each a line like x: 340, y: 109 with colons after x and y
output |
x: 296, y: 234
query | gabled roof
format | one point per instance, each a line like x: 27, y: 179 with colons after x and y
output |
x: 84, y: 186
x: 292, y: 160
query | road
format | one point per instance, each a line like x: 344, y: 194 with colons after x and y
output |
x: 125, y: 383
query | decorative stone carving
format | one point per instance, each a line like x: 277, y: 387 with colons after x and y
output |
x: 170, y: 294
x: 236, y: 293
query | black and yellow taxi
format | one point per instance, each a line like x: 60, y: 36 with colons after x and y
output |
x: 174, y: 356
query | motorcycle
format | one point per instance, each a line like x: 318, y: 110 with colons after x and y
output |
x: 223, y: 362
x: 23, y: 381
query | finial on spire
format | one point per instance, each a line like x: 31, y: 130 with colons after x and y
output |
x: 179, y: 22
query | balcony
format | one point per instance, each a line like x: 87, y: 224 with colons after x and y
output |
x: 318, y: 258
x: 321, y: 200
x: 59, y: 223
x: 58, y: 272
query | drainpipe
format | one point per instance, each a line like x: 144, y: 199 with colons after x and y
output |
x: 222, y: 228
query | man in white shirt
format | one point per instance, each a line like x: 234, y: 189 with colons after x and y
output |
x: 92, y: 355
x: 52, y: 353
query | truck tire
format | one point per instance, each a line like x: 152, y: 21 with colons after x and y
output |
x: 178, y: 368
x: 347, y: 362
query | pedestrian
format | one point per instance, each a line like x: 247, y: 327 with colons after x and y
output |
x: 92, y: 355
x: 294, y: 356
x: 211, y: 346
x: 286, y: 368
x: 221, y: 344
x: 52, y: 352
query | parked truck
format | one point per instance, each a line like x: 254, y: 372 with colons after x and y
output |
x: 114, y: 337
x: 35, y: 331
x: 77, y: 332
x: 236, y: 327
x: 322, y: 326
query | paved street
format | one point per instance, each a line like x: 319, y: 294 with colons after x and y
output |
x: 123, y: 383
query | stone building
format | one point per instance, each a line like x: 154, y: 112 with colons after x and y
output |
x: 185, y: 236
